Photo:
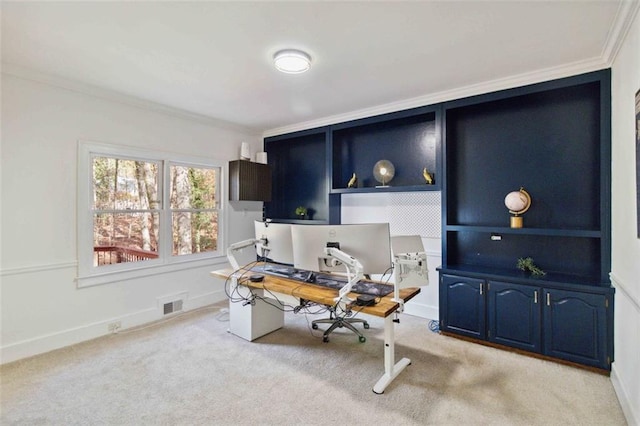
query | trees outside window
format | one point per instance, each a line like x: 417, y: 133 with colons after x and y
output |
x: 194, y: 214
x: 145, y: 210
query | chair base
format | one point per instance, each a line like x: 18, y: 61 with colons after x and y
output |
x: 339, y: 322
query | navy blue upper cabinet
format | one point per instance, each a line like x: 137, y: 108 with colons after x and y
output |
x: 312, y: 168
x: 299, y: 162
x: 410, y: 140
x: 554, y: 140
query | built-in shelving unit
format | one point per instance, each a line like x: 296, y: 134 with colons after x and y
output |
x: 299, y: 162
x: 408, y: 139
x: 313, y: 167
x: 551, y: 138
x: 554, y: 140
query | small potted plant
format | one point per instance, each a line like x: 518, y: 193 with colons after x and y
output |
x: 526, y: 264
x: 301, y: 212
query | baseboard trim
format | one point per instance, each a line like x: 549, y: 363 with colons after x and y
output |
x: 49, y: 342
x: 527, y: 353
x: 631, y: 412
x: 421, y: 310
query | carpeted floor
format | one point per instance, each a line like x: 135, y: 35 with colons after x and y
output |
x: 191, y: 371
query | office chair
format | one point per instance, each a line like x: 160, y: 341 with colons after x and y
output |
x: 339, y: 321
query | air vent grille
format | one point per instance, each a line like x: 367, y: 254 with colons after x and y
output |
x: 172, y: 307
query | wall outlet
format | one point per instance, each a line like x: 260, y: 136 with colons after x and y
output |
x: 114, y: 327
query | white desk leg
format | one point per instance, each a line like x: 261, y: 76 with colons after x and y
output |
x: 391, y: 369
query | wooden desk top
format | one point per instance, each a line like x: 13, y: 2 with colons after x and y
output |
x: 322, y: 295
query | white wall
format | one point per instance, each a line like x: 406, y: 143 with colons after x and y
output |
x: 41, y: 308
x: 625, y: 242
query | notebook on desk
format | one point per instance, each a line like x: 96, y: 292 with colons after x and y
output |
x: 335, y: 282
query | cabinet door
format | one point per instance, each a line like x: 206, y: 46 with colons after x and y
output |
x: 462, y: 306
x: 514, y: 315
x: 575, y: 326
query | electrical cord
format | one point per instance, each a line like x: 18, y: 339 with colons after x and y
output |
x: 434, y: 326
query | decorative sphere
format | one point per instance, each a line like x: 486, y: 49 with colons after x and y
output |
x: 517, y: 202
x: 384, y: 171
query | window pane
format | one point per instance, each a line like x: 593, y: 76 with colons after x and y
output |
x: 194, y: 232
x: 124, y: 237
x: 193, y: 188
x: 120, y: 184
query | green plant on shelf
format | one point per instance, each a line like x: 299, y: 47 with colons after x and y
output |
x: 301, y: 212
x: 526, y: 264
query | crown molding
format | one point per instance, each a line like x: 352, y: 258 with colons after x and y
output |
x: 510, y: 82
x: 623, y: 21
x: 114, y: 96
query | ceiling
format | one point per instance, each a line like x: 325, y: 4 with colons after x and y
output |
x: 214, y: 59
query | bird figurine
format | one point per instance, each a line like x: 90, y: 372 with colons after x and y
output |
x: 427, y: 176
x: 353, y: 181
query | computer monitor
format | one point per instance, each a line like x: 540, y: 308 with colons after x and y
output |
x: 277, y: 246
x: 369, y: 243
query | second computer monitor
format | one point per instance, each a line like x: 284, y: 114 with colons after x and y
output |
x: 369, y: 243
x: 275, y: 244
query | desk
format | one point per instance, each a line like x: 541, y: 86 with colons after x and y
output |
x: 325, y: 296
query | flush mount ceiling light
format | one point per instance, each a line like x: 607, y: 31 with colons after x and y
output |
x: 292, y: 61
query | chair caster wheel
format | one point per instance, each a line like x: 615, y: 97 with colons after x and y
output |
x: 314, y: 326
x: 362, y: 339
x: 366, y: 325
x: 325, y: 339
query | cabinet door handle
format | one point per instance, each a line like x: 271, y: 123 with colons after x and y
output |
x: 481, y: 289
x: 548, y: 299
x: 535, y: 297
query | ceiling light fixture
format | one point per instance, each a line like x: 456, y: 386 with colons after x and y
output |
x: 292, y: 61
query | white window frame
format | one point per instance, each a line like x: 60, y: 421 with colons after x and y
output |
x: 89, y: 275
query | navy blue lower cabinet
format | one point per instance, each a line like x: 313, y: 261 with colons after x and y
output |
x: 514, y: 315
x: 575, y: 326
x: 462, y: 306
x: 570, y: 325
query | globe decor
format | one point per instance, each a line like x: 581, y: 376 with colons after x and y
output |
x: 517, y: 202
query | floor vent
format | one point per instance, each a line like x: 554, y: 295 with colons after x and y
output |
x: 172, y: 307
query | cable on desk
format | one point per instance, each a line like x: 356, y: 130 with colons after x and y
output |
x: 390, y: 271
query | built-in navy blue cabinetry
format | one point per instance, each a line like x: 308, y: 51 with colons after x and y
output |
x: 462, y: 298
x: 514, y: 315
x: 553, y: 139
x: 299, y: 162
x: 312, y: 168
x: 410, y: 140
x: 573, y: 325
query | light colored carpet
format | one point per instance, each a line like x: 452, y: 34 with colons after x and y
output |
x: 191, y: 371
